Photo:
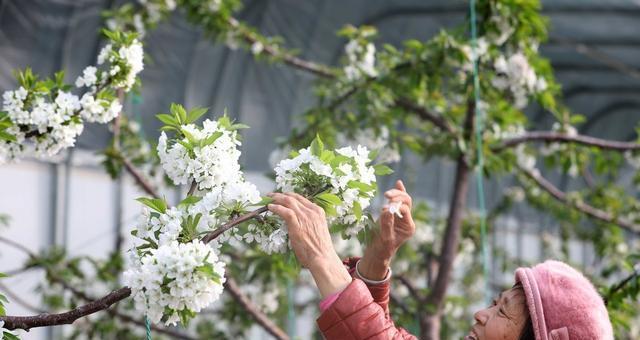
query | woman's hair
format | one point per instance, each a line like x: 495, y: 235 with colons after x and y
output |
x: 527, y: 331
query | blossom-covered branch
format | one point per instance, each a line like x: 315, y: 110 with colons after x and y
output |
x: 585, y: 208
x: 42, y: 117
x: 559, y: 137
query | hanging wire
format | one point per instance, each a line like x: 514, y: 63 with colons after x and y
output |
x: 479, y: 122
x: 147, y: 323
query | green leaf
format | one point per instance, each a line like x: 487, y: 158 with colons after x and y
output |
x: 330, y: 198
x: 327, y: 156
x: 9, y: 336
x: 168, y: 128
x: 208, y: 271
x: 190, y: 200
x: 224, y: 121
x: 179, y: 112
x: 189, y: 136
x: 339, y: 159
x: 361, y: 186
x: 185, y: 316
x: 6, y: 136
x: 156, y: 204
x: 212, y: 138
x: 239, y: 126
x: 373, y: 154
x: 357, y: 210
x: 382, y: 170
x: 317, y: 146
x: 167, y: 119
x: 196, y: 113
x: 265, y: 200
x: 3, y: 275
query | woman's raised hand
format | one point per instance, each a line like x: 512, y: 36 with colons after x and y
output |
x: 396, y: 227
x: 311, y: 241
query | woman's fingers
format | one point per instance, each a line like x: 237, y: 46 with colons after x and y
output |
x: 398, y: 195
x: 386, y: 220
x: 303, y: 201
x: 287, y: 201
x: 400, y: 186
x: 288, y: 215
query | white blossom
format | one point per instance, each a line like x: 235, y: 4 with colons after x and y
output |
x: 394, y: 208
x: 88, y: 77
x: 373, y: 141
x: 99, y: 110
x: 516, y: 74
x: 516, y: 194
x: 257, y: 47
x: 361, y: 60
x: 175, y: 277
x: 216, y: 164
x: 524, y: 159
x: 345, y: 180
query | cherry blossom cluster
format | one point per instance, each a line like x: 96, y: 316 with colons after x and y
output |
x: 175, y: 281
x: 514, y: 73
x: 341, y: 181
x: 360, y: 52
x: 208, y: 155
x: 361, y: 60
x: 50, y: 120
x: 373, y: 140
x: 172, y: 273
x: 43, y: 117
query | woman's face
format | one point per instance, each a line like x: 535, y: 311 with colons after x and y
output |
x: 503, y: 320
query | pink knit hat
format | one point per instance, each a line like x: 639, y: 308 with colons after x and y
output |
x: 563, y: 304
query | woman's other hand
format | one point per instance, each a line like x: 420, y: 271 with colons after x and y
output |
x: 395, y: 229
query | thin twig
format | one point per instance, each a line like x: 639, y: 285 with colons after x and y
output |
x: 314, y: 68
x: 621, y: 285
x: 585, y: 208
x: 193, y: 187
x: 421, y: 112
x: 273, y: 329
x: 558, y: 137
x: 13, y: 297
x: 412, y: 290
x: 397, y: 302
x: 214, y: 234
x: 139, y: 178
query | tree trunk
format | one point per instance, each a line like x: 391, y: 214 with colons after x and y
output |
x: 430, y: 323
x: 430, y: 327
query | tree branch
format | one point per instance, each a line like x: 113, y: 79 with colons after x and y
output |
x: 139, y: 178
x: 273, y: 329
x: 559, y: 137
x: 412, y: 290
x: 421, y: 112
x: 397, y: 302
x: 66, y: 318
x: 585, y: 208
x: 214, y: 234
x: 311, y: 67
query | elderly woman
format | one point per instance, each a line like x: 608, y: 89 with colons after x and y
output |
x: 550, y: 301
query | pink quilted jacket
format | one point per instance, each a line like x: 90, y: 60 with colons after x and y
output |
x: 360, y: 312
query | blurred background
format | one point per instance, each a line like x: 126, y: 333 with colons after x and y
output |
x: 594, y: 48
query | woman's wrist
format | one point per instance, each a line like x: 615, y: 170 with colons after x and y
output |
x: 330, y: 275
x: 374, y: 265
